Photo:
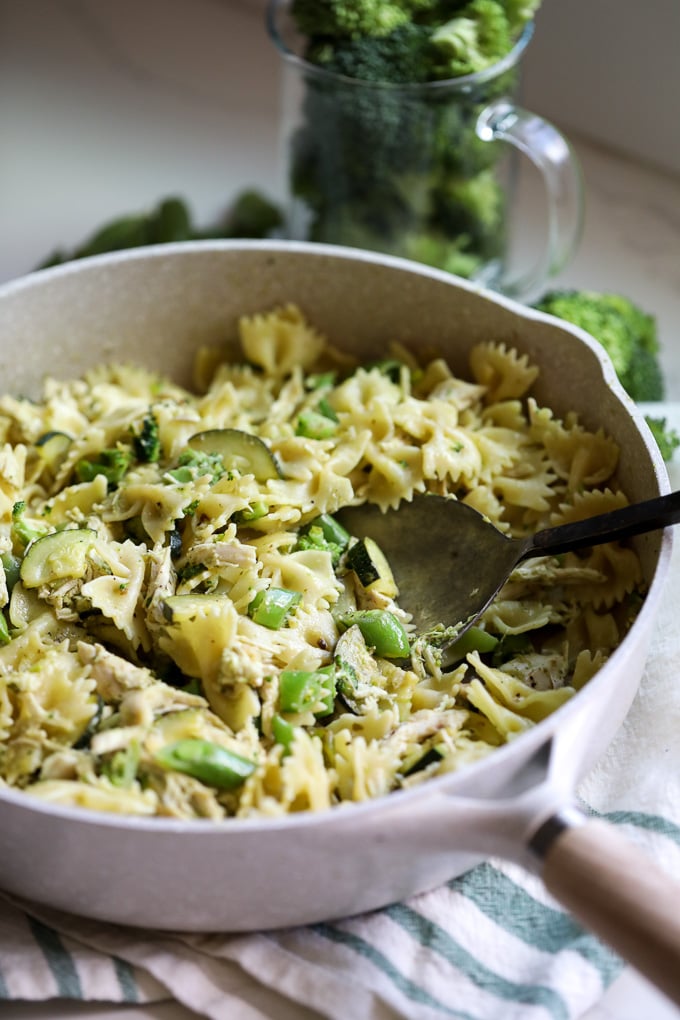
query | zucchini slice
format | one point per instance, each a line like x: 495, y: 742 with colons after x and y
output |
x: 239, y: 450
x: 57, y: 556
x: 185, y: 608
x: 53, y: 447
x: 368, y: 562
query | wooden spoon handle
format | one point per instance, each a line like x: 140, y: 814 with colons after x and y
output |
x: 620, y: 895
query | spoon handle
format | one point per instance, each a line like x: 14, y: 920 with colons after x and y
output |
x: 636, y: 519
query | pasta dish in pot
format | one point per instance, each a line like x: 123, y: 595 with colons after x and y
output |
x: 188, y: 631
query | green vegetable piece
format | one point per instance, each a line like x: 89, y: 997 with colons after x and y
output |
x: 169, y: 222
x: 53, y: 447
x: 627, y: 333
x: 473, y: 640
x: 57, y: 556
x: 271, y: 608
x: 283, y: 732
x: 667, y: 439
x: 240, y: 451
x: 208, y: 762
x: 313, y: 425
x: 121, y: 768
x: 193, y: 464
x: 180, y: 609
x: 326, y: 410
x: 302, y: 691
x: 333, y: 530
x: 509, y: 646
x: 252, y: 215
x: 4, y: 630
x: 389, y: 367
x: 21, y: 529
x: 643, y: 377
x: 319, y: 380
x: 327, y: 534
x: 147, y: 443
x: 381, y: 630
x: 92, y: 725
x: 254, y: 512
x: 477, y: 37
x: 184, y: 475
x: 125, y: 232
x: 112, y: 463
x: 369, y: 563
x: 432, y: 755
x: 11, y: 565
x: 351, y: 20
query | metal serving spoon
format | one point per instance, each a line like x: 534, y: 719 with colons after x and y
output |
x: 450, y: 562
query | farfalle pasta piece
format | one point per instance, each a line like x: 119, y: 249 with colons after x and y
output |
x: 503, y: 372
x: 279, y: 341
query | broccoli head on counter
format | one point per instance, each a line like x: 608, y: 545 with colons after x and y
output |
x: 630, y: 338
x: 251, y: 214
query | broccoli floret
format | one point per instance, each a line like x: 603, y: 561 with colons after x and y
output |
x: 170, y: 221
x: 643, y: 378
x: 112, y: 463
x: 585, y: 310
x: 22, y: 530
x: 314, y: 538
x: 434, y: 248
x: 193, y: 464
x: 340, y: 19
x: 471, y: 206
x: 403, y: 55
x: 252, y: 215
x: 642, y: 324
x: 627, y: 333
x: 667, y: 439
x: 519, y: 12
x: 476, y: 38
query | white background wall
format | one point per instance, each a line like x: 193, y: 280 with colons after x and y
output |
x: 610, y: 69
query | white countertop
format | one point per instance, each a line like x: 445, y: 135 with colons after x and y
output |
x: 113, y: 106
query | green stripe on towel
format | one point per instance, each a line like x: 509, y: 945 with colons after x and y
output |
x: 512, y: 908
x: 58, y: 959
x: 407, y: 987
x: 652, y: 823
x: 436, y: 938
x: 126, y: 979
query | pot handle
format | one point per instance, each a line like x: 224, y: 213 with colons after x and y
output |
x: 616, y: 891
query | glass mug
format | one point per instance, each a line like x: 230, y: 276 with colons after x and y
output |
x: 423, y: 171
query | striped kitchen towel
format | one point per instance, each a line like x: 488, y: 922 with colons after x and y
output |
x: 490, y: 945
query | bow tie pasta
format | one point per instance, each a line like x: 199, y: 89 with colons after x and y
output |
x: 186, y: 630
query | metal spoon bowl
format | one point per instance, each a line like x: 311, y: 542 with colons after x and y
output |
x: 450, y: 562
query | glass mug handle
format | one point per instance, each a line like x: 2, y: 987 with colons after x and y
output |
x: 553, y: 156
